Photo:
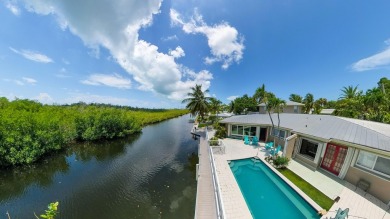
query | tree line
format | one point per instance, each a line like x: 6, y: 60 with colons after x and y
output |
x: 29, y: 130
x: 373, y: 104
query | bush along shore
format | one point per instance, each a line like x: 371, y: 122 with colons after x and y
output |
x: 29, y: 130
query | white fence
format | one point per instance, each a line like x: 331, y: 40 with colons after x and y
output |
x: 217, y: 192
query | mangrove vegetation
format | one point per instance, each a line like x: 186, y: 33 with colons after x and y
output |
x: 29, y: 130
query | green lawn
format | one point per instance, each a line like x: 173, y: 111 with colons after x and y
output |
x: 320, y: 198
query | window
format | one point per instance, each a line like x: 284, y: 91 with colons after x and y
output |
x: 234, y: 130
x: 374, y: 163
x: 308, y: 149
x: 243, y: 130
x: 279, y: 133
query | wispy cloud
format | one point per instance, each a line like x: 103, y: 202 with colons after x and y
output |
x: 11, y: 5
x: 114, y: 80
x: 169, y: 38
x: 32, y: 55
x: 381, y: 59
x: 29, y: 80
x: 224, y: 41
x: 231, y: 98
x: 22, y: 82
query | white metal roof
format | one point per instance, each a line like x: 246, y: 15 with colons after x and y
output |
x: 327, y: 111
x: 366, y: 133
x: 288, y: 103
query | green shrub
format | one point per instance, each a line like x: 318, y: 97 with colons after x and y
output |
x: 281, y: 162
x: 214, y: 141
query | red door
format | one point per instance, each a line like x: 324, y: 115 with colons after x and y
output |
x: 334, y: 158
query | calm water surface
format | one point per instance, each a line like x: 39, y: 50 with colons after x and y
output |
x: 150, y: 175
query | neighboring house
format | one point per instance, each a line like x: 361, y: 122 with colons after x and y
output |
x: 327, y: 111
x: 224, y: 115
x: 353, y: 150
x: 291, y: 107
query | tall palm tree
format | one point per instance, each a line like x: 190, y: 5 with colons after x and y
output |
x: 309, y: 102
x: 276, y: 105
x: 197, y: 102
x: 349, y: 92
x: 296, y: 98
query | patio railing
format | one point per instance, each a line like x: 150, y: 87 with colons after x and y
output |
x: 217, y: 193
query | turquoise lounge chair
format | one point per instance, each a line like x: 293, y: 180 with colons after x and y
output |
x: 269, y: 145
x: 276, y: 151
x: 246, y: 139
x: 255, y: 141
x: 341, y: 214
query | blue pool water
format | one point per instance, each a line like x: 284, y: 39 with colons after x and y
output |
x: 266, y: 194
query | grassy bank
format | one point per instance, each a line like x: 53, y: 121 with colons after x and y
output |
x: 29, y: 130
x: 320, y: 198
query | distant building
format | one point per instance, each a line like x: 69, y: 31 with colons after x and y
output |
x: 291, y: 107
x: 224, y: 115
x: 327, y: 111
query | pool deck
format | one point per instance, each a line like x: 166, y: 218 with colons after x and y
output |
x: 360, y: 204
x: 205, y: 200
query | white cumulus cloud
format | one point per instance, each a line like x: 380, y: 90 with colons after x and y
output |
x: 114, y: 80
x: 381, y: 59
x: 44, y: 98
x: 177, y: 53
x: 224, y: 40
x: 231, y: 98
x: 117, y: 30
x: 12, y: 6
x: 32, y: 55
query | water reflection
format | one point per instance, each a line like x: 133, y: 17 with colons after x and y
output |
x: 100, y: 150
x: 13, y: 182
x: 151, y: 175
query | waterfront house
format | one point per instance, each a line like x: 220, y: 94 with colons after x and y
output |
x: 354, y: 150
x: 290, y: 107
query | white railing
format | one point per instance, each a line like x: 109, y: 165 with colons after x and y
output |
x: 217, y: 192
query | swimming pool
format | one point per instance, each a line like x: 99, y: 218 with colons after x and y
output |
x: 266, y: 194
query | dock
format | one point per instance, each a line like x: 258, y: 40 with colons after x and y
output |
x: 205, y: 207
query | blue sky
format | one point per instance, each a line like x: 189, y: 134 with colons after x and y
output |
x: 149, y: 53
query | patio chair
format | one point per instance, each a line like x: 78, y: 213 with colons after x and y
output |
x: 269, y: 145
x: 255, y: 141
x: 341, y: 214
x: 276, y: 151
x: 246, y: 139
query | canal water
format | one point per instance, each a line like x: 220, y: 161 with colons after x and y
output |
x: 150, y: 175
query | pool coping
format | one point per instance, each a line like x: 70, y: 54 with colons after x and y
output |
x: 292, y: 185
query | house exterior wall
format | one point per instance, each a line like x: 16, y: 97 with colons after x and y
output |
x: 290, y: 147
x: 379, y: 187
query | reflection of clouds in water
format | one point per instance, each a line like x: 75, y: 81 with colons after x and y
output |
x: 187, y: 194
x: 177, y: 167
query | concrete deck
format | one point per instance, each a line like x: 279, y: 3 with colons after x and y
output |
x: 328, y: 184
x: 205, y: 200
x: 360, y: 205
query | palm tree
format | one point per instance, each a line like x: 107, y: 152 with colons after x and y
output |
x: 349, y: 92
x: 276, y: 105
x: 296, y: 98
x: 309, y: 102
x: 215, y: 105
x: 197, y: 102
x: 260, y: 94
